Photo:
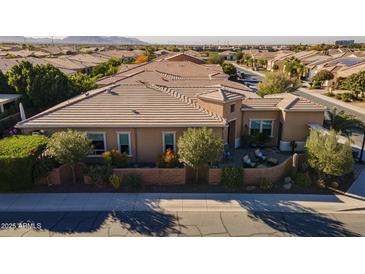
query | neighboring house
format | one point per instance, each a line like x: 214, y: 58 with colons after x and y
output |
x: 144, y: 109
x: 9, y: 111
x: 228, y: 55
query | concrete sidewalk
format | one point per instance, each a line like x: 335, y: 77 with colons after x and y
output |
x: 179, y: 202
x: 358, y: 187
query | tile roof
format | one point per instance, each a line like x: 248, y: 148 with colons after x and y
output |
x: 221, y: 95
x: 281, y: 101
x: 126, y: 106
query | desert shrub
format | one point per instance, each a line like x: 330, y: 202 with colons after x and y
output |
x: 303, y: 179
x: 266, y: 184
x: 329, y: 94
x: 321, y: 183
x: 119, y: 160
x: 338, y: 96
x: 132, y: 182
x: 97, y: 173
x: 335, y: 184
x: 115, y: 181
x: 232, y: 177
x: 107, y: 157
x: 43, y: 166
x: 18, y: 155
x: 347, y: 97
x: 167, y: 159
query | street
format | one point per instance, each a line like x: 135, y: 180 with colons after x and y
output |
x: 159, y: 214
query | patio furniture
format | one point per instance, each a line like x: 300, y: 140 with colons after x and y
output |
x: 272, y: 161
x: 259, y: 155
x: 247, y: 162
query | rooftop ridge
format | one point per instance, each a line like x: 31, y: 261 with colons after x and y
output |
x: 185, y: 99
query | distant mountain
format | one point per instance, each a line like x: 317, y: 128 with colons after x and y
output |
x: 112, y: 40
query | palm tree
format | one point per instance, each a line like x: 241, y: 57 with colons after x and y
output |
x: 294, y: 67
x: 342, y: 122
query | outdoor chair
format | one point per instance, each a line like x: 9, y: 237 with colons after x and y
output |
x: 247, y: 162
x: 260, y: 155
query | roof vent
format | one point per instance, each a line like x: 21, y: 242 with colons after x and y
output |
x: 135, y: 111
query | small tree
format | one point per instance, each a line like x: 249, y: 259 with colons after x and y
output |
x: 327, y: 156
x: 277, y: 82
x: 215, y: 58
x: 294, y: 67
x: 355, y: 83
x: 320, y: 77
x: 82, y: 82
x: 229, y: 68
x: 199, y: 147
x: 69, y: 147
x: 341, y: 122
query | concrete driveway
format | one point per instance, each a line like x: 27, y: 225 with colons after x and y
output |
x: 158, y: 214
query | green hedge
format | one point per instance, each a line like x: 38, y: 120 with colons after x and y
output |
x: 18, y: 155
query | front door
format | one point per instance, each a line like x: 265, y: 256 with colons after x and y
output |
x: 231, y: 134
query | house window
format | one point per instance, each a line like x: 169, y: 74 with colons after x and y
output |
x: 124, y: 143
x: 261, y: 126
x: 168, y: 139
x: 233, y: 108
x: 98, y: 142
x: 255, y: 126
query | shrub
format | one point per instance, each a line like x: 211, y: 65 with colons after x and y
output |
x: 97, y: 173
x: 168, y: 159
x: 266, y: 184
x: 303, y: 179
x: 18, y: 155
x: 321, y: 183
x: 338, y: 96
x: 115, y: 181
x: 347, y: 97
x: 335, y: 184
x: 119, y: 160
x: 329, y: 94
x: 43, y: 166
x: 232, y: 177
x: 132, y: 182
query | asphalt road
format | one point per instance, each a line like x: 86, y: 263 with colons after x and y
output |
x: 143, y: 223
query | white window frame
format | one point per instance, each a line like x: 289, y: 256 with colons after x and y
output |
x: 163, y: 140
x: 129, y: 140
x: 104, y: 136
x: 261, y: 124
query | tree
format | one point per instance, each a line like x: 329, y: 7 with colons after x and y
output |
x: 215, y: 58
x: 41, y: 85
x: 277, y: 82
x: 294, y: 67
x: 342, y: 122
x: 69, y: 147
x: 82, y: 82
x: 199, y: 147
x: 142, y: 58
x: 4, y: 86
x: 107, y: 68
x: 229, y: 68
x: 239, y: 55
x: 327, y: 156
x: 355, y: 83
x: 320, y: 77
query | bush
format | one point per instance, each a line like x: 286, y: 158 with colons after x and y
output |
x: 303, y: 179
x: 329, y: 94
x: 43, y: 166
x: 335, y: 184
x: 97, y: 173
x: 119, y: 160
x: 338, y: 96
x: 266, y: 184
x: 18, y: 155
x: 115, y: 181
x: 232, y: 177
x: 347, y: 97
x: 132, y: 182
x: 168, y: 159
x: 321, y: 183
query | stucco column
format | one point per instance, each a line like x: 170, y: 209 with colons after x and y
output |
x: 2, y: 109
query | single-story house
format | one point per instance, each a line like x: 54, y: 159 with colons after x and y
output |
x: 145, y: 110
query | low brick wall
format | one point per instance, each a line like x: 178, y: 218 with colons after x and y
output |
x: 252, y: 176
x: 155, y: 176
x: 61, y: 175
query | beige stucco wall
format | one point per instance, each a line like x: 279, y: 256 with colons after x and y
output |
x: 262, y: 115
x: 295, y: 125
x: 146, y: 143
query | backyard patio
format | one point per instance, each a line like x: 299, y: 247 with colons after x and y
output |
x: 253, y: 158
